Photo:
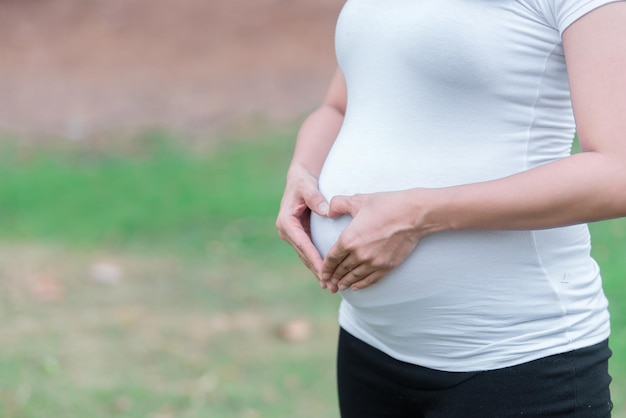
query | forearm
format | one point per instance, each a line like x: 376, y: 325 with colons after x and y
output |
x: 315, y: 138
x: 586, y: 187
x: 583, y: 188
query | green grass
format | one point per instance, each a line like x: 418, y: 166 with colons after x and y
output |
x: 609, y: 249
x: 155, y: 191
x: 176, y: 337
x: 193, y: 329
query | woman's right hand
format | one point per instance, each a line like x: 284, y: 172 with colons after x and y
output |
x: 315, y: 139
x: 301, y: 196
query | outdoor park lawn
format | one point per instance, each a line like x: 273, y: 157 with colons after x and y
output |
x: 143, y: 278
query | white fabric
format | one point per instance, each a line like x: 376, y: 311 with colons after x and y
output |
x: 449, y: 92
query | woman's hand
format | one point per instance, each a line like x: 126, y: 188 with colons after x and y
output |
x: 301, y: 196
x: 315, y: 138
x: 384, y: 230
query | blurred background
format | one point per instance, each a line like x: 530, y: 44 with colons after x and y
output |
x: 75, y: 68
x: 143, y: 147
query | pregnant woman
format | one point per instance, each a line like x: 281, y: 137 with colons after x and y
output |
x: 435, y: 190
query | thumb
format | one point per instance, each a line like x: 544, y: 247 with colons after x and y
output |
x: 344, y: 205
x: 316, y: 202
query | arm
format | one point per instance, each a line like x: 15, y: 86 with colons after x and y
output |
x: 301, y: 195
x: 585, y: 187
x: 590, y: 186
x: 318, y: 132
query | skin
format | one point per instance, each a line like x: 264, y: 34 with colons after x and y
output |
x: 301, y: 195
x: 386, y: 227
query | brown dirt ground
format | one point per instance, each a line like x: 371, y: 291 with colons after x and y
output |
x: 79, y: 68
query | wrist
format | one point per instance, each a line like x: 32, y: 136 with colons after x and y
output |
x: 431, y: 211
x: 298, y: 170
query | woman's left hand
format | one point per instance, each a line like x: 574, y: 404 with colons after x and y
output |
x: 385, y: 228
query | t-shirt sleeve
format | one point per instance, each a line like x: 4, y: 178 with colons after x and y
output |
x: 566, y: 12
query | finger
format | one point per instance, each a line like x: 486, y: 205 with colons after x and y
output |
x: 360, y: 278
x: 344, y: 205
x: 332, y: 287
x: 334, y: 258
x: 316, y: 201
x: 299, y: 239
x: 308, y: 253
x: 346, y: 266
x: 294, y: 230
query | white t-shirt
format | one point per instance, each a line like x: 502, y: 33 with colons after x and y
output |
x: 449, y: 92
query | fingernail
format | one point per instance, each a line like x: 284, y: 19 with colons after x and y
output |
x: 335, y: 281
x: 323, y: 208
x: 342, y: 287
x: 326, y: 277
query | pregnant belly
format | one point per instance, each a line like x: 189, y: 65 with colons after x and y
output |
x: 447, y: 267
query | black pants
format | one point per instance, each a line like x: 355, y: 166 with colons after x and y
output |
x: 373, y: 385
